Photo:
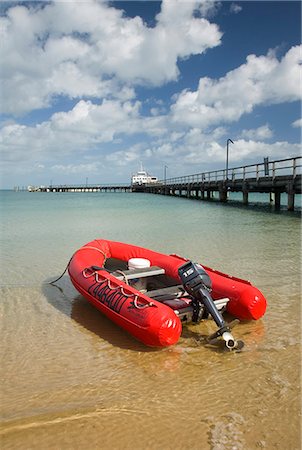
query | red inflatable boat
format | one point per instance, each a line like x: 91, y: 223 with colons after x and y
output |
x: 149, y: 301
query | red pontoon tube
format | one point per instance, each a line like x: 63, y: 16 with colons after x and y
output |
x: 150, y: 321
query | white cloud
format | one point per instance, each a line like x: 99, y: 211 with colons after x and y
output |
x: 122, y: 158
x: 256, y: 150
x: 235, y: 8
x: 261, y: 80
x: 202, y: 149
x: 90, y: 131
x: 86, y: 127
x: 209, y: 8
x: 263, y: 132
x: 91, y: 50
x: 98, y: 122
x: 93, y: 53
x: 297, y: 123
x: 78, y: 169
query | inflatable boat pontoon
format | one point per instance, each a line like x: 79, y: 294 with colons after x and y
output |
x: 150, y: 294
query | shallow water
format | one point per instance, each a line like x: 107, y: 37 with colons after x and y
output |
x: 74, y: 380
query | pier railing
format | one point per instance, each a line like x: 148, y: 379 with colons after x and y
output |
x: 289, y: 166
x: 89, y: 186
x: 99, y: 187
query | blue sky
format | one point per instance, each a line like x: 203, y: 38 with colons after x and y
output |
x: 90, y: 89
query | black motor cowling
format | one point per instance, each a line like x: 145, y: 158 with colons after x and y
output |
x: 198, y: 284
x: 194, y: 277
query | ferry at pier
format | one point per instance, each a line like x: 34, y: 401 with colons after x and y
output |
x: 142, y: 178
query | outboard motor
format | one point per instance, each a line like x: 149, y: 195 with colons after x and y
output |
x: 198, y: 284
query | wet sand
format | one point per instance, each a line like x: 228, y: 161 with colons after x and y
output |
x: 77, y: 381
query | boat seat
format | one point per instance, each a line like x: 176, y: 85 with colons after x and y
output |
x: 168, y: 293
x: 163, y: 294
x: 138, y: 273
x: 176, y: 292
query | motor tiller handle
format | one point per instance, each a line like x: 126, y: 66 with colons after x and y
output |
x: 198, y: 284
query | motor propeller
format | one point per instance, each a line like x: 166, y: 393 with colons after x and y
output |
x: 198, y: 284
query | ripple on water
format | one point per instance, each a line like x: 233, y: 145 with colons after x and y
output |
x: 227, y: 433
x: 83, y: 382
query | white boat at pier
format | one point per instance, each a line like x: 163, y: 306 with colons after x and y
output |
x: 142, y: 178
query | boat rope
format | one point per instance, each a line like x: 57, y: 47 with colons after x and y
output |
x: 82, y: 248
x: 57, y: 279
x: 146, y: 305
x: 90, y: 247
x: 89, y: 272
x: 123, y: 275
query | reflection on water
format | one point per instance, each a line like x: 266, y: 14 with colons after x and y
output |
x: 72, y: 379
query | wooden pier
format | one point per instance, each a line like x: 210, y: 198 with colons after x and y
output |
x: 83, y: 188
x: 271, y: 177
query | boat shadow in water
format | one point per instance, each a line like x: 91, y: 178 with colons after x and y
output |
x: 63, y: 297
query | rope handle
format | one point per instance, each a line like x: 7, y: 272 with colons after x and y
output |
x: 99, y: 279
x: 146, y: 305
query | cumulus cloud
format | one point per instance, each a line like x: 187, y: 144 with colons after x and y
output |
x: 92, y: 50
x: 203, y: 150
x: 78, y: 169
x: 209, y: 8
x: 263, y: 132
x: 297, y: 123
x: 256, y: 150
x: 124, y: 157
x: 261, y: 80
x: 90, y: 137
x: 99, y: 123
x: 194, y: 148
x: 235, y: 8
x: 92, y: 53
x: 76, y: 131
x: 88, y: 126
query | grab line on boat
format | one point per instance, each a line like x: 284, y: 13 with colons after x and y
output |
x: 108, y: 283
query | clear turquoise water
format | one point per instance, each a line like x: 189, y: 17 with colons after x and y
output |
x: 82, y: 377
x: 40, y: 231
